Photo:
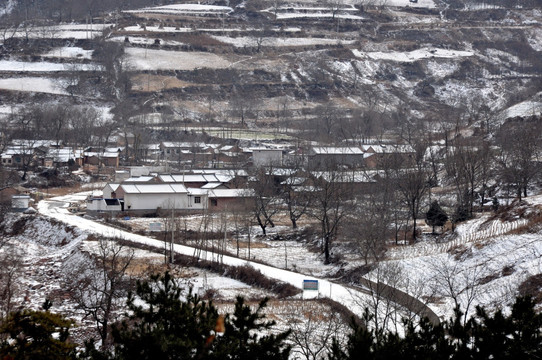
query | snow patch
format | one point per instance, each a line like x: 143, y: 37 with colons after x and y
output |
x: 33, y: 84
x: 150, y: 59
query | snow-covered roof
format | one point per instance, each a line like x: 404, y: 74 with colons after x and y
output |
x: 112, y: 186
x: 180, y: 178
x: 17, y: 150
x: 197, y: 191
x: 345, y: 150
x: 230, y: 193
x: 153, y: 188
x: 139, y: 179
x: 110, y: 155
x: 33, y: 143
x: 211, y: 185
x: 60, y: 155
x: 348, y: 176
x: 263, y: 149
x: 182, y: 144
x: 388, y: 149
x: 114, y: 149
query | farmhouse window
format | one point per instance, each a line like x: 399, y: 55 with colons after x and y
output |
x: 197, y: 200
x: 214, y: 202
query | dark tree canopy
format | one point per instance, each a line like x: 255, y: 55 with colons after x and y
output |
x: 484, y: 336
x: 435, y: 216
x: 167, y: 323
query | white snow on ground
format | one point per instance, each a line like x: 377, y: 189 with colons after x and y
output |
x: 525, y: 108
x: 149, y: 59
x: 69, y: 52
x: 282, y: 16
x: 57, y: 209
x: 411, y: 56
x: 68, y: 31
x: 22, y: 66
x: 534, y: 38
x: 184, y: 9
x: 171, y: 29
x: 278, y: 42
x: 33, y: 84
x: 164, y: 29
x: 441, y: 69
x: 407, y: 3
x: 145, y: 41
x: 482, y: 254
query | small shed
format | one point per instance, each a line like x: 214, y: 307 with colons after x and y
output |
x: 20, y: 203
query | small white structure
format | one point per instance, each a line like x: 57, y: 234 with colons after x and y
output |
x: 103, y: 205
x: 20, y: 203
x: 121, y: 175
x: 266, y: 157
x: 150, y: 197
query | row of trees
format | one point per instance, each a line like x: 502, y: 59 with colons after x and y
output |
x: 165, y: 321
x: 380, y: 204
x: 483, y: 336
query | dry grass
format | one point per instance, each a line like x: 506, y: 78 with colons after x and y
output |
x: 61, y: 191
x: 148, y: 82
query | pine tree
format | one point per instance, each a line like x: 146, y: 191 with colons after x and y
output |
x: 166, y: 323
x: 162, y: 325
x: 435, y: 216
x: 517, y: 336
x: 243, y: 337
x: 29, y: 334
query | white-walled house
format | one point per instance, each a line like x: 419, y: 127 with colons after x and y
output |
x: 150, y: 197
x: 266, y: 157
x: 144, y: 198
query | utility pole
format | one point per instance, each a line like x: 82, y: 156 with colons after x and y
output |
x: 171, y: 257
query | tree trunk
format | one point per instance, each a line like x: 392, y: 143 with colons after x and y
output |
x: 326, y: 249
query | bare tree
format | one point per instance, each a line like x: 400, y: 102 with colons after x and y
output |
x: 10, y: 269
x: 518, y: 160
x: 296, y: 196
x: 461, y: 285
x: 463, y: 165
x: 332, y: 201
x: 312, y: 336
x: 100, y: 284
x: 266, y: 194
x: 371, y: 225
x: 413, y: 185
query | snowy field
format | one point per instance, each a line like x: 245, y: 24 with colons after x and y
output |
x: 144, y: 40
x: 285, y: 16
x: 69, y: 52
x: 33, y: 84
x: 525, y: 108
x: 69, y: 31
x: 149, y: 59
x: 44, y: 66
x: 415, y: 55
x: 406, y: 3
x: 184, y: 9
x: 243, y: 41
x: 483, y: 265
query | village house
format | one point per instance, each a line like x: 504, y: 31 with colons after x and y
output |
x: 321, y: 157
x: 262, y: 156
x: 229, y: 199
x: 378, y: 155
x: 154, y: 194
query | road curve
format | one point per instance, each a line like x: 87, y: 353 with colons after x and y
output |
x: 353, y: 298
